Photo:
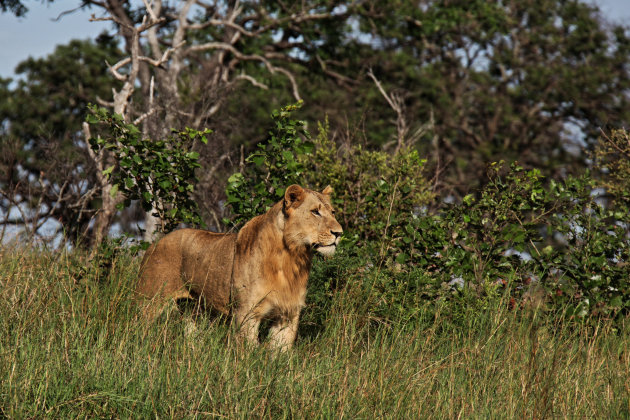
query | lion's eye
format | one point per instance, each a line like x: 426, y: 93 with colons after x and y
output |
x: 315, y: 212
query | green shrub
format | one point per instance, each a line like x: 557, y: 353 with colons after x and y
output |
x: 158, y: 173
x: 270, y: 169
x: 376, y: 193
x: 517, y: 231
x: 590, y: 269
x: 519, y: 236
x: 479, y: 239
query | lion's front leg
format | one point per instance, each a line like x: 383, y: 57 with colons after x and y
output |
x: 247, y: 323
x: 283, y: 332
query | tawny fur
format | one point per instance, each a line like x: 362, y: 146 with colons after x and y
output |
x: 262, y: 271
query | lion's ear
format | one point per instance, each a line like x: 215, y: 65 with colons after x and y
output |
x: 293, y: 196
x: 328, y: 190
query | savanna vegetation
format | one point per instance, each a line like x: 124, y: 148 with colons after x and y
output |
x: 482, y: 177
x: 72, y: 345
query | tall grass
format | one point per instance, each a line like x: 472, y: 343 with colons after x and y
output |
x: 72, y: 345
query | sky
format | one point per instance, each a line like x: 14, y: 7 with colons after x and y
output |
x: 37, y: 34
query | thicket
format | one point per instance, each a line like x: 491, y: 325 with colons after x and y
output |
x: 560, y: 245
x: 563, y: 245
x: 159, y: 174
x: 269, y: 170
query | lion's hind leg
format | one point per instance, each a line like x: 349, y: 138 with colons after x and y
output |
x: 152, y: 308
x: 160, y: 285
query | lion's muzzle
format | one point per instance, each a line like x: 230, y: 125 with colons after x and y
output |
x: 330, y: 247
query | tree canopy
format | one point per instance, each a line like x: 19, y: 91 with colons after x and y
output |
x: 464, y: 83
x: 45, y: 168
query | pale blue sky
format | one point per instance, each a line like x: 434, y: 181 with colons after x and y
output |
x: 37, y: 34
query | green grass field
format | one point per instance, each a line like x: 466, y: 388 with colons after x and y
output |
x: 72, y: 345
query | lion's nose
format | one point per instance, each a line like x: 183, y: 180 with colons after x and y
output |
x: 337, y: 233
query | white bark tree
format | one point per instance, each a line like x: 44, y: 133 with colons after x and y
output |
x: 205, y: 48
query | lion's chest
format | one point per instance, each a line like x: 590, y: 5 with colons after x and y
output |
x: 271, y: 287
x: 289, y: 287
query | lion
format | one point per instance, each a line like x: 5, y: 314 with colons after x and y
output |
x: 259, y: 273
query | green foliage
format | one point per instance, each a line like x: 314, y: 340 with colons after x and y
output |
x: 471, y: 240
x: 376, y: 193
x: 519, y: 238
x: 160, y: 174
x: 516, y: 231
x: 271, y: 168
x: 43, y: 161
x: 519, y: 234
x: 591, y: 271
x: 501, y: 79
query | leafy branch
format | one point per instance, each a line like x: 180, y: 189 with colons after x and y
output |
x: 160, y: 174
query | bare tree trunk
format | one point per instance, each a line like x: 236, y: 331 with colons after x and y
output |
x: 105, y: 216
x: 122, y: 99
x: 151, y: 224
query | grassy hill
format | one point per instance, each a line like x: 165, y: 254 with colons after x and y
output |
x: 72, y: 345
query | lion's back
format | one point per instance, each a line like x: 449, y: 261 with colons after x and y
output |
x: 189, y: 260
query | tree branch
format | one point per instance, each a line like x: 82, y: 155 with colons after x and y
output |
x: 397, y: 104
x: 251, y: 80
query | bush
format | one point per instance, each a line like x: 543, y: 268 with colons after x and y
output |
x: 270, y: 169
x: 518, y: 232
x: 160, y: 174
x: 590, y: 270
x: 376, y: 193
x: 520, y: 235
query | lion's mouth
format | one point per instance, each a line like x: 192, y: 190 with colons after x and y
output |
x: 325, y: 249
x: 332, y: 244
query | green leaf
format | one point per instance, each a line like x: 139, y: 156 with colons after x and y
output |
x: 257, y: 159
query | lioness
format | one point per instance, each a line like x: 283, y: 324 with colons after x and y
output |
x: 262, y: 270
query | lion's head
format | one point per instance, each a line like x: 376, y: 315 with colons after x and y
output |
x: 309, y: 219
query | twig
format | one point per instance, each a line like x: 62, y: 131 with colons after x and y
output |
x: 144, y: 116
x: 397, y: 104
x: 387, y: 223
x: 612, y: 143
x: 251, y: 80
